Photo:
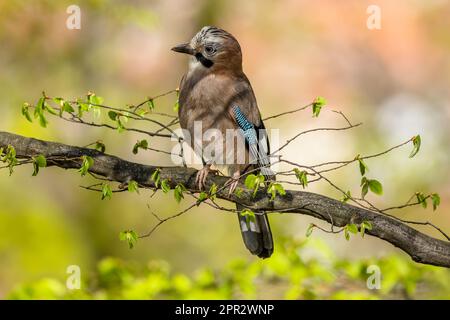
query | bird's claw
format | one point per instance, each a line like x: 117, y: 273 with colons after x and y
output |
x: 123, y: 185
x: 202, y: 174
x: 233, y: 183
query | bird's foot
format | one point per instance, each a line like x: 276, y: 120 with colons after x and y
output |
x: 233, y: 182
x: 202, y: 174
x: 123, y: 185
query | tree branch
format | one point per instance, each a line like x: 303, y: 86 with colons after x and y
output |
x: 421, y: 247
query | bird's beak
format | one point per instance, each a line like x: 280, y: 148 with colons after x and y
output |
x: 184, y: 48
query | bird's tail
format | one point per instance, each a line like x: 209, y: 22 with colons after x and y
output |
x: 256, y: 234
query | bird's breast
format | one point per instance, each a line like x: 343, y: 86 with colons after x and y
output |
x: 205, y: 101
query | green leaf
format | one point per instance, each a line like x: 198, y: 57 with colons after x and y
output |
x: 133, y: 186
x: 346, y: 234
x: 213, y: 192
x: 202, y: 197
x: 436, y: 200
x: 82, y: 107
x: 365, y: 225
x: 350, y: 228
x: 275, y: 188
x: 50, y: 109
x: 94, y: 103
x: 347, y: 196
x: 376, y: 187
x: 421, y: 199
x: 112, y: 115
x: 155, y: 177
x: 362, y: 229
x: 178, y: 192
x: 353, y: 228
x: 250, y: 181
x: 85, y: 165
x: 142, y: 144
x: 363, y: 168
x: 59, y: 101
x: 365, y: 187
x: 141, y: 112
x: 39, y: 110
x: 151, y: 104
x: 42, y: 120
x: 25, y: 111
x: 129, y: 236
x: 38, y: 162
x: 176, y: 106
x: 165, y: 186
x: 318, y: 103
x: 310, y: 229
x: 249, y: 216
x: 120, y: 120
x: 10, y: 158
x: 372, y: 185
x: 253, y: 182
x: 94, y: 99
x: 106, y: 191
x: 66, y: 107
x: 100, y: 146
x: 302, y: 177
x: 416, y: 140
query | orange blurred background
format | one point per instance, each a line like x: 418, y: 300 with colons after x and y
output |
x: 395, y: 80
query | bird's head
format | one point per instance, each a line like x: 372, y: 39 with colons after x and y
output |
x: 213, y: 48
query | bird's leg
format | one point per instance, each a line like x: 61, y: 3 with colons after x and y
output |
x: 233, y: 182
x: 201, y: 176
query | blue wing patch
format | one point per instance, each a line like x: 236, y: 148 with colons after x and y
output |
x: 246, y: 126
x: 250, y: 135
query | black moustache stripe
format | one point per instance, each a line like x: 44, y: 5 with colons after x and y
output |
x: 204, y: 61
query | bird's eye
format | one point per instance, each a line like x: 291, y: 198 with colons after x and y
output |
x: 209, y: 49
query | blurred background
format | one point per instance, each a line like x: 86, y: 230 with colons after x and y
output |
x: 395, y: 80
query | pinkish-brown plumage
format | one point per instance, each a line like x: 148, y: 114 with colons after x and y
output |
x: 213, y: 85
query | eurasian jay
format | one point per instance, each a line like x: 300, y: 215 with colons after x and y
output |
x: 216, y: 93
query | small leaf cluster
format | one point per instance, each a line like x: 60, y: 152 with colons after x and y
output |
x: 60, y: 106
x: 294, y: 276
x: 366, y: 184
x: 372, y: 185
x: 254, y: 182
x: 302, y: 177
x: 8, y: 156
x: 416, y: 140
x: 422, y: 200
x: 106, y: 191
x: 86, y: 164
x: 130, y: 237
x: 274, y: 189
x: 353, y: 228
x: 120, y: 118
x: 39, y: 161
x: 317, y: 105
x: 141, y: 144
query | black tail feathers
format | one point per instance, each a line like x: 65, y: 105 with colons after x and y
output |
x: 256, y: 234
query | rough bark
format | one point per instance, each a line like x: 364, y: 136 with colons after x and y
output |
x: 421, y: 247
